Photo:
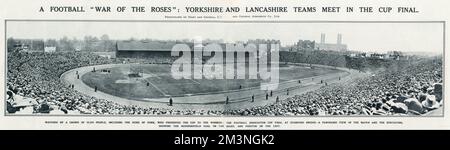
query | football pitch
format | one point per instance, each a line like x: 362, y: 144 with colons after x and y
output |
x: 156, y: 81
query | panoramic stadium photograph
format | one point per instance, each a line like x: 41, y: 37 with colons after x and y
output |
x: 284, y: 69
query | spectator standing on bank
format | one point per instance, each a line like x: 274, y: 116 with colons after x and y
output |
x: 227, y: 100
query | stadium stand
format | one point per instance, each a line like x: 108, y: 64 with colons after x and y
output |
x: 34, y: 87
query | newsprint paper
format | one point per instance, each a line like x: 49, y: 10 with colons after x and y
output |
x: 224, y: 64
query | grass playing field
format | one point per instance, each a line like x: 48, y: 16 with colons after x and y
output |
x: 156, y: 81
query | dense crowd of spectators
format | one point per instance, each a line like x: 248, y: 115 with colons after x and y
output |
x: 33, y: 80
x: 415, y: 89
x: 329, y: 58
x: 34, y: 87
x: 155, y: 58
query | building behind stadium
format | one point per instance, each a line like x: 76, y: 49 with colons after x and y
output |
x: 303, y: 45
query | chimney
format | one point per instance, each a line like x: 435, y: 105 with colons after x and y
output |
x: 322, y: 38
x: 339, y: 39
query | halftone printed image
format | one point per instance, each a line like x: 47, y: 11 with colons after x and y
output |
x: 282, y: 69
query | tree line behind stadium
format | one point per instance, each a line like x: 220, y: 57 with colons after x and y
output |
x: 304, y: 51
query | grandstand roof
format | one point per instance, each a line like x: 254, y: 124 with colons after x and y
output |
x: 144, y: 46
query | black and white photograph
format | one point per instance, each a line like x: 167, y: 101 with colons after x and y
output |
x: 224, y: 68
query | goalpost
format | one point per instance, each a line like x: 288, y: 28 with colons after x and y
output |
x: 136, y: 70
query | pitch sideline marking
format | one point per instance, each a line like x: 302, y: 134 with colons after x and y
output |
x: 156, y: 87
x: 194, y: 81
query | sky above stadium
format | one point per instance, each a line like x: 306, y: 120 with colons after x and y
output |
x: 374, y: 37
